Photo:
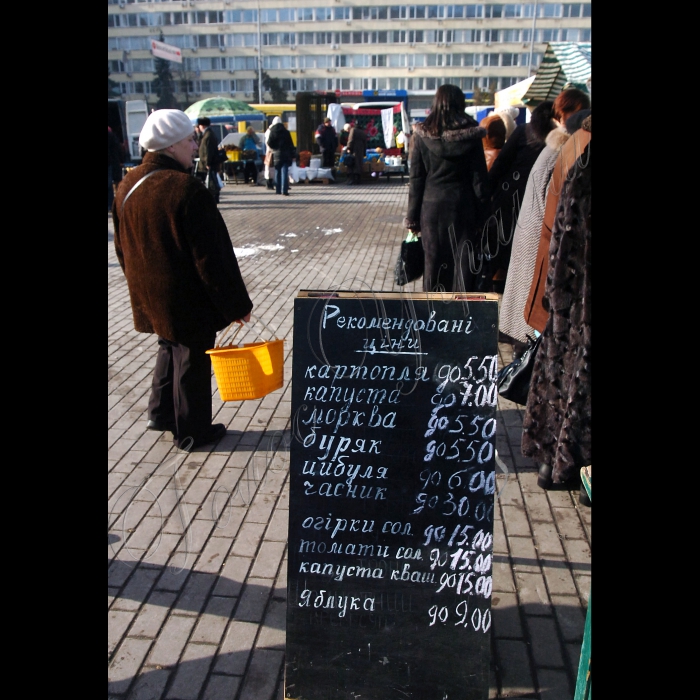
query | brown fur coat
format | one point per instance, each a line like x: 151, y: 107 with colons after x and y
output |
x: 178, y: 260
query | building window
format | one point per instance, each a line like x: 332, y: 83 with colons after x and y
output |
x: 549, y: 10
x: 341, y: 13
x: 323, y: 14
x: 305, y: 14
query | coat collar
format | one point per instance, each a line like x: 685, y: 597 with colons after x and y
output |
x: 463, y: 134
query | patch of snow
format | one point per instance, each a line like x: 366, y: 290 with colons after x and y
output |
x: 331, y: 231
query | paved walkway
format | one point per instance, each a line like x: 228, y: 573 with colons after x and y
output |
x: 197, y: 542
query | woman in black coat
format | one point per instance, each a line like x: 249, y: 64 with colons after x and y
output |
x: 447, y: 196
x: 507, y: 181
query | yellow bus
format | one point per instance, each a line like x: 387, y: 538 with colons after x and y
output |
x: 286, y: 112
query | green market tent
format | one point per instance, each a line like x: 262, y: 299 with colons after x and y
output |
x: 221, y: 107
x: 565, y: 64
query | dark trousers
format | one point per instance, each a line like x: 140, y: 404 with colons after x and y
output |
x: 213, y: 186
x: 250, y: 172
x: 181, y: 388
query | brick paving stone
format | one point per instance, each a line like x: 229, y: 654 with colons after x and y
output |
x: 524, y: 555
x: 547, y: 539
x: 268, y: 560
x: 195, y: 593
x: 229, y: 522
x: 191, y: 672
x: 126, y: 662
x: 161, y: 551
x: 506, y: 616
x: 573, y: 657
x: 151, y: 616
x: 569, y: 523
x: 278, y: 528
x: 562, y: 499
x: 213, y: 466
x: 198, y: 490
x: 578, y: 553
x: 253, y: 600
x: 500, y: 545
x: 219, y: 687
x: 532, y: 594
x: 261, y: 679
x: 150, y: 684
x: 514, y: 666
x: 117, y: 623
x: 145, y: 534
x: 248, y: 540
x: 279, y: 592
x: 583, y: 583
x: 212, y: 623
x: 261, y: 508
x: 236, y: 647
x: 136, y: 590
x: 171, y: 641
x: 558, y: 576
x: 570, y: 616
x: 554, y: 685
x: 213, y: 555
x: 516, y: 522
x: 546, y: 650
x: 502, y: 577
x: 537, y: 505
x: 273, y: 631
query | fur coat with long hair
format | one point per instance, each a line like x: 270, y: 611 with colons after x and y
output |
x: 557, y: 422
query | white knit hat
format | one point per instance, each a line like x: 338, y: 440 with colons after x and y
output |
x: 163, y: 128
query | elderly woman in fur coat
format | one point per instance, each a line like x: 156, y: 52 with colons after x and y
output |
x: 447, y: 197
x: 557, y: 421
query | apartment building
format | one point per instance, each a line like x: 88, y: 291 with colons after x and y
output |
x: 343, y: 46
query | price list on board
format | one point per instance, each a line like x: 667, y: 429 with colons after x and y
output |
x: 392, y: 487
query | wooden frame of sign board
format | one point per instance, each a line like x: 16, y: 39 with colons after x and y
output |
x: 392, y: 488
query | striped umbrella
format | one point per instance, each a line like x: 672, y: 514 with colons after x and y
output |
x: 565, y: 64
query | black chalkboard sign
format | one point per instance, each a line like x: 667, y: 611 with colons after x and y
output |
x: 391, y: 496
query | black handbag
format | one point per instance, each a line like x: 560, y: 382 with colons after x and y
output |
x: 513, y: 381
x: 349, y: 160
x: 410, y: 262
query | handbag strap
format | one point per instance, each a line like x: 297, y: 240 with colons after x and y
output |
x: 130, y: 192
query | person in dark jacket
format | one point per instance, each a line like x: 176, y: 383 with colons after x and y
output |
x: 357, y: 145
x: 507, y: 181
x: 448, y: 191
x: 182, y: 274
x: 282, y: 145
x: 327, y: 141
x: 208, y: 157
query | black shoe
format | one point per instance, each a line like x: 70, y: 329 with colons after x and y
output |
x: 215, y: 432
x: 544, y: 479
x: 160, y: 426
x: 286, y: 194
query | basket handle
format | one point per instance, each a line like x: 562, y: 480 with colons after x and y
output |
x: 241, y: 323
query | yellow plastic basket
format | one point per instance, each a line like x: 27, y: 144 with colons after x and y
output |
x: 249, y: 371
